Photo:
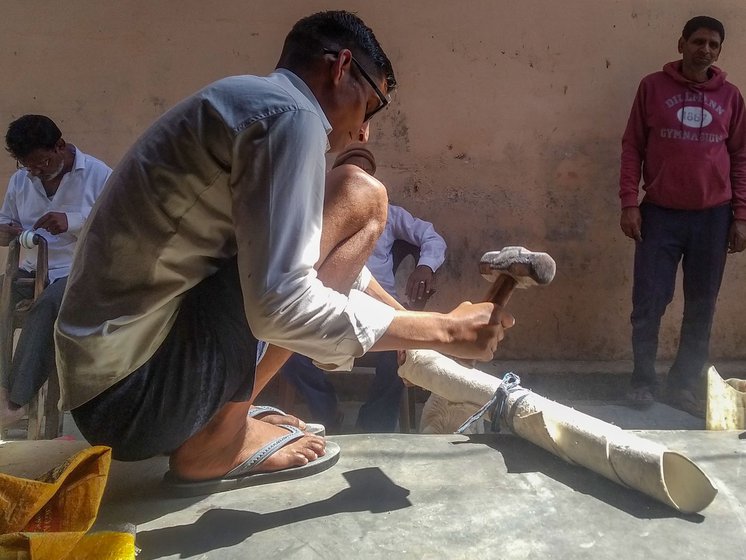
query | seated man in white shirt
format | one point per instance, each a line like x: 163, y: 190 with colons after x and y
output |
x: 380, y: 411
x: 209, y: 238
x: 52, y: 193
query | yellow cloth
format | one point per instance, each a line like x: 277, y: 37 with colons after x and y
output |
x: 47, y: 518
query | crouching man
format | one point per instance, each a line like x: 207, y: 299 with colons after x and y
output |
x: 209, y: 237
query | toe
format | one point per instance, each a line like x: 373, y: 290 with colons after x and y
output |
x: 309, y: 454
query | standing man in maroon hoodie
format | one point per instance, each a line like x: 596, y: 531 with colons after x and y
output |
x: 686, y: 136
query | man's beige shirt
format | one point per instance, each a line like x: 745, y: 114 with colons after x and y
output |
x: 236, y: 169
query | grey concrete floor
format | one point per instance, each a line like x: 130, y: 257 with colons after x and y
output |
x: 445, y: 496
x: 430, y: 497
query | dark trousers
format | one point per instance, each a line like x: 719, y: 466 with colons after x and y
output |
x: 379, y: 413
x: 207, y: 359
x: 33, y: 359
x: 314, y: 387
x: 698, y: 239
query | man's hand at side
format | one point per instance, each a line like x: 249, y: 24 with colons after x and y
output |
x: 420, y: 283
x: 737, y: 236
x: 631, y: 223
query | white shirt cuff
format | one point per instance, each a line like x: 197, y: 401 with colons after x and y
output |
x: 362, y: 281
x: 370, y: 318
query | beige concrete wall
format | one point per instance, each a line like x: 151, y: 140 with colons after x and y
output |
x: 505, y: 129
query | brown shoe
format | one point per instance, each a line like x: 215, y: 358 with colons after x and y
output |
x: 641, y: 395
x: 686, y: 400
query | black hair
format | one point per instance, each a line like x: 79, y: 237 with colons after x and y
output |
x: 29, y: 133
x: 335, y: 30
x: 700, y: 22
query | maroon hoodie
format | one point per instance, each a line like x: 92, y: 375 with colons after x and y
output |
x: 689, y: 140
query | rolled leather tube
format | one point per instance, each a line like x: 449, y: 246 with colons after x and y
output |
x: 28, y: 239
x: 575, y: 437
x: 726, y: 402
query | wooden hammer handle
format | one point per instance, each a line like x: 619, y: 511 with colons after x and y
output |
x: 499, y: 294
x: 501, y: 290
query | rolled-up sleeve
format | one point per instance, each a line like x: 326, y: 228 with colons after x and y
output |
x: 277, y: 183
x: 419, y: 233
x: 9, y: 210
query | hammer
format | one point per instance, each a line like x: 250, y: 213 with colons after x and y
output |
x: 508, y: 269
x: 515, y: 267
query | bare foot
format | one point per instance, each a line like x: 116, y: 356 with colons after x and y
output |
x: 231, y: 438
x: 10, y: 413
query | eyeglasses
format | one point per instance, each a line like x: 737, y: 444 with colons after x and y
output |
x: 42, y: 165
x: 384, y: 99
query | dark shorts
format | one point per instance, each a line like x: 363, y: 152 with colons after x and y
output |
x: 207, y: 359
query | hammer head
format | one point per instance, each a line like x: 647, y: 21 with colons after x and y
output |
x: 526, y: 267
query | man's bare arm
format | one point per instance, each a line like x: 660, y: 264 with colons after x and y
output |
x: 8, y: 232
x: 471, y: 331
x: 375, y: 290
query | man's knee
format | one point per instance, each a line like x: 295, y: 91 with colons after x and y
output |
x: 360, y: 196
x: 45, y: 309
x: 50, y: 299
x: 355, y: 208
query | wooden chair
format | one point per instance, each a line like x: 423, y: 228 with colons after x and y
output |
x: 44, y: 417
x: 407, y: 411
x: 400, y: 250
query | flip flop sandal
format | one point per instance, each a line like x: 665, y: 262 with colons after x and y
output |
x: 242, y: 477
x: 260, y: 410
